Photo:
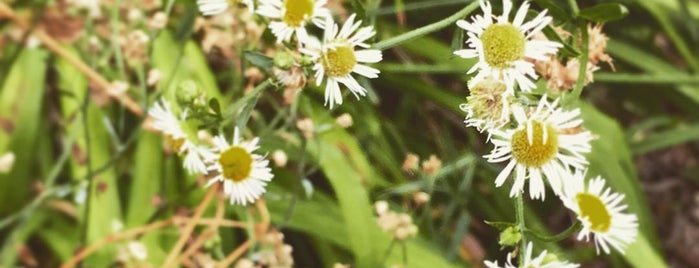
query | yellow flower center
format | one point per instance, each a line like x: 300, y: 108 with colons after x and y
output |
x: 296, y: 11
x: 595, y: 211
x: 502, y: 45
x: 339, y: 61
x: 540, y: 151
x: 236, y: 163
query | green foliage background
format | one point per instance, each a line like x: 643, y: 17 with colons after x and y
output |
x: 412, y: 107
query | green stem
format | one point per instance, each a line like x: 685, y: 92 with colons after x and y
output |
x: 574, y: 7
x: 388, y: 251
x: 422, y: 5
x: 582, y: 73
x: 394, y: 41
x: 519, y: 206
x: 672, y: 79
x: 234, y: 108
x: 557, y: 237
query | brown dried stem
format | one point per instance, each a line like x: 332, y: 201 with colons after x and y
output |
x: 213, y: 228
x: 115, y: 237
x: 260, y: 231
x: 170, y: 261
x: 55, y: 47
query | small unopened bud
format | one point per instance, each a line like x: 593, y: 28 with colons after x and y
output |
x: 306, y: 127
x: 137, y: 250
x: 432, y: 165
x: 411, y: 163
x: 158, y: 21
x: 187, y: 93
x: 7, y: 160
x: 283, y: 60
x: 421, y: 198
x: 401, y: 233
x: 510, y: 236
x: 205, y: 136
x: 154, y: 76
x: 244, y: 263
x: 134, y: 15
x: 344, y: 120
x: 381, y: 207
x: 118, y: 88
x: 279, y: 157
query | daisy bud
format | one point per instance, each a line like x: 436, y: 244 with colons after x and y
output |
x: 279, y: 158
x: 154, y: 76
x: 420, y: 198
x: 284, y: 60
x: 137, y: 250
x: 187, y: 93
x: 381, y: 207
x: 344, y: 120
x: 306, y: 127
x: 158, y: 21
x: 510, y: 236
x: 432, y: 165
x: 411, y: 163
x: 7, y: 160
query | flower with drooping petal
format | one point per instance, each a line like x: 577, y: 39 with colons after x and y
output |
x: 544, y: 260
x: 546, y: 143
x: 488, y: 105
x: 292, y: 16
x: 165, y: 121
x: 337, y: 59
x: 244, y: 174
x: 601, y: 212
x: 505, y: 49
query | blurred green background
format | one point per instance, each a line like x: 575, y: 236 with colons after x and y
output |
x: 80, y: 166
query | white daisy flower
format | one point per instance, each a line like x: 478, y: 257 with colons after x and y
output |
x: 488, y: 105
x: 165, y: 121
x: 291, y: 16
x: 601, y: 213
x: 544, y: 260
x: 337, y: 59
x: 244, y: 174
x: 505, y: 49
x: 546, y: 143
x: 213, y: 7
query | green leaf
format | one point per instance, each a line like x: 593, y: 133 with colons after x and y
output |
x: 457, y: 42
x: 665, y: 139
x: 567, y: 49
x: 215, y: 106
x: 145, y: 183
x: 259, y: 60
x: 358, y: 9
x: 21, y: 102
x: 559, y: 15
x: 604, y: 12
x: 105, y: 206
x: 320, y: 216
x: 650, y: 63
x: 188, y: 64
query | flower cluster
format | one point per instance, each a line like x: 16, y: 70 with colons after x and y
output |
x: 243, y: 173
x: 541, y: 144
x: 334, y: 57
x: 399, y: 225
